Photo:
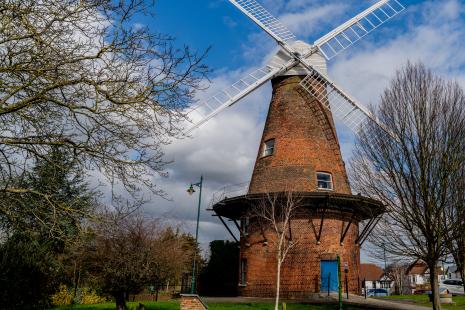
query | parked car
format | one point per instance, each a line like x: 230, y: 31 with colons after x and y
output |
x: 455, y: 287
x: 377, y: 292
x: 422, y: 292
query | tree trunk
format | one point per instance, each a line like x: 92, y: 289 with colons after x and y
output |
x: 401, y: 286
x: 75, y: 280
x: 278, y: 282
x: 120, y: 301
x: 460, y: 261
x: 434, y: 286
x: 462, y: 275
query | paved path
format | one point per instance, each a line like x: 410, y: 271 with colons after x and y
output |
x: 354, y: 300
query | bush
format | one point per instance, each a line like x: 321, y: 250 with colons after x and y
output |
x: 90, y: 297
x: 63, y: 297
x: 84, y: 296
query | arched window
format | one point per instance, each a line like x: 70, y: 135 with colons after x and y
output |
x: 324, y: 180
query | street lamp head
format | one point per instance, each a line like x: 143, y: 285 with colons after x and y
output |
x: 190, y: 190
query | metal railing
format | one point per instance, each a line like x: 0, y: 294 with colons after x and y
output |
x: 229, y: 191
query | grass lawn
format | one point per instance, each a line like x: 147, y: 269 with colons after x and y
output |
x: 162, y: 305
x: 423, y: 300
x: 271, y: 307
x: 172, y: 305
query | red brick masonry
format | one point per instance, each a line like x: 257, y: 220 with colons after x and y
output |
x: 305, y: 142
x: 192, y: 302
x: 300, y: 274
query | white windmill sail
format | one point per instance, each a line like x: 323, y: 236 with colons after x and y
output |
x: 356, y: 28
x: 348, y: 110
x: 265, y: 20
x: 342, y: 106
x: 227, y: 97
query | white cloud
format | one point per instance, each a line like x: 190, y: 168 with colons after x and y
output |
x: 305, y: 23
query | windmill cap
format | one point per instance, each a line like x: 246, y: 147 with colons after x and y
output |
x: 316, y: 60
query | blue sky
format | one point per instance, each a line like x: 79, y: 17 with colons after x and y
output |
x: 218, y: 24
x: 224, y: 150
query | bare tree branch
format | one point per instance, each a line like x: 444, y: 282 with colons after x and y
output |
x: 79, y: 76
x: 414, y: 176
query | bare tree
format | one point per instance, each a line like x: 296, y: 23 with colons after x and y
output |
x: 80, y: 76
x: 274, y: 215
x: 455, y: 218
x: 397, y: 273
x: 413, y: 174
x: 128, y: 252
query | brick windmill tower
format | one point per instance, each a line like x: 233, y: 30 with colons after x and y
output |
x: 300, y: 153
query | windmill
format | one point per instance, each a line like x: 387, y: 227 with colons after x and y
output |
x: 300, y: 152
x: 297, y: 57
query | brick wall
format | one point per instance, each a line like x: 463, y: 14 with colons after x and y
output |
x: 192, y: 302
x: 305, y: 142
x: 300, y: 273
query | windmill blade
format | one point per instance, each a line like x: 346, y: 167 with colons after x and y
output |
x: 265, y: 20
x: 358, y: 27
x: 354, y: 115
x: 229, y: 96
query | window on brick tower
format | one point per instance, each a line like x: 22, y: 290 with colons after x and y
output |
x: 324, y: 180
x: 268, y: 148
x: 245, y: 225
x: 243, y: 271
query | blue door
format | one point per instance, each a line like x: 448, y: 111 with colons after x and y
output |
x: 329, y: 275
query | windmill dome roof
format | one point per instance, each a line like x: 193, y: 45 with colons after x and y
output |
x: 317, y: 60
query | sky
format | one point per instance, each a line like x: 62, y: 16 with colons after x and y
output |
x: 224, y: 149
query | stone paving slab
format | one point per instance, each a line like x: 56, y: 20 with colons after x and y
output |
x: 355, y: 300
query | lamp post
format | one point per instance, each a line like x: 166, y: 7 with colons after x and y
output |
x: 190, y: 191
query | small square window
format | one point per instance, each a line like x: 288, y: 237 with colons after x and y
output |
x: 324, y: 181
x: 268, y: 148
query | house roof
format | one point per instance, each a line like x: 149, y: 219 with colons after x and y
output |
x: 417, y: 267
x: 370, y: 272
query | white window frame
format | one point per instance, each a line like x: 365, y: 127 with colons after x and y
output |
x: 330, y: 181
x: 266, y: 149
